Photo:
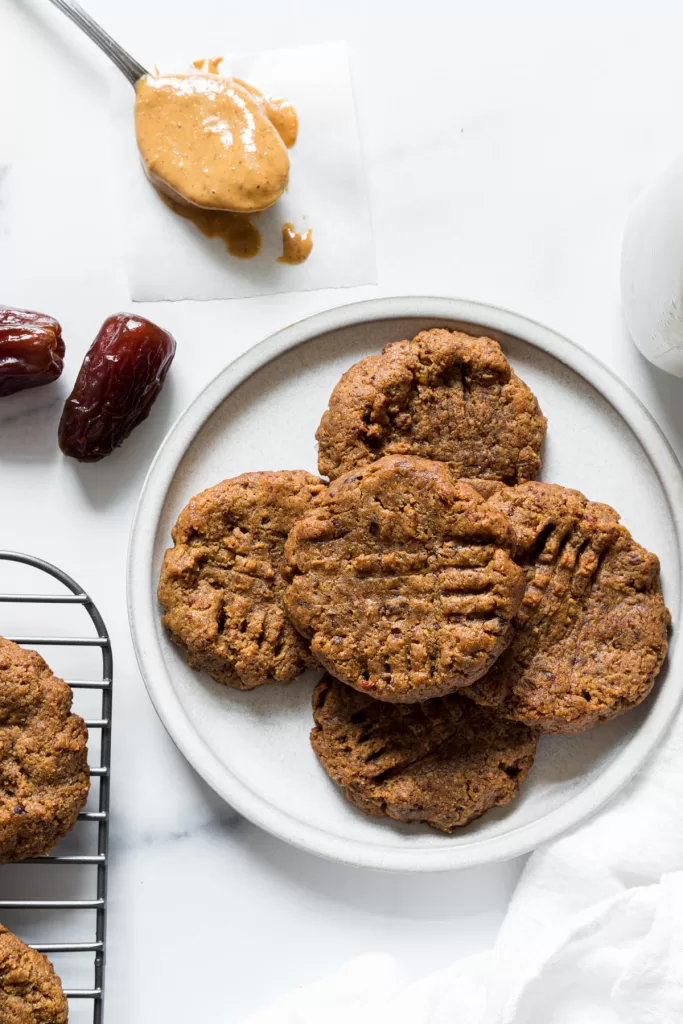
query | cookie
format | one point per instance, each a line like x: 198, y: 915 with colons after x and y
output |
x: 445, y: 396
x: 221, y: 586
x: 44, y: 776
x: 444, y: 762
x: 30, y: 991
x: 402, y: 581
x: 592, y: 630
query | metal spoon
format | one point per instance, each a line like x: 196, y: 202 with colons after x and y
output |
x: 123, y: 60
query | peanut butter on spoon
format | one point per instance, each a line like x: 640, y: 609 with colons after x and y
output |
x: 280, y: 113
x: 213, y: 146
x: 208, y: 141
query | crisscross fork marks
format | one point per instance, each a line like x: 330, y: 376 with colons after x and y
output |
x: 444, y: 761
x: 592, y: 628
x: 221, y: 584
x: 401, y: 580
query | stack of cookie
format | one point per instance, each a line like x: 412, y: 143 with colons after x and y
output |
x: 459, y: 607
x: 44, y: 784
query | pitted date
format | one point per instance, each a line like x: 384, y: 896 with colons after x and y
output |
x: 31, y: 350
x: 121, y: 376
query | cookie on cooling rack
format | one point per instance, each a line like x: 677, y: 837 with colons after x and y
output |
x: 592, y: 631
x: 444, y: 395
x: 444, y: 762
x: 402, y: 580
x: 221, y: 585
x: 30, y: 991
x: 44, y: 776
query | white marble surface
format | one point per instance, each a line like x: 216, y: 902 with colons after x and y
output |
x: 502, y: 155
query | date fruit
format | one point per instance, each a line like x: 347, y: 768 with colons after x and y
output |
x: 31, y: 350
x: 122, y: 374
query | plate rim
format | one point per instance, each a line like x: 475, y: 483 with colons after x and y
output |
x: 143, y: 609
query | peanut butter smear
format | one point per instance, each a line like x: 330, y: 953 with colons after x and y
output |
x: 296, y: 246
x: 208, y: 141
x: 240, y: 237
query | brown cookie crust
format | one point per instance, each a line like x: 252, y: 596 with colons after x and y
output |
x: 445, y: 396
x: 592, y: 630
x: 444, y: 762
x: 221, y: 585
x: 44, y: 776
x: 30, y: 991
x: 402, y: 581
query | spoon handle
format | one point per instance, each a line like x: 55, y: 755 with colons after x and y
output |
x: 124, y: 62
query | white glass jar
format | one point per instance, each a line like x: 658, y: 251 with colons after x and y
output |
x: 652, y: 271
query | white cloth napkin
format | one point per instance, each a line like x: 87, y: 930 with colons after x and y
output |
x: 593, y: 935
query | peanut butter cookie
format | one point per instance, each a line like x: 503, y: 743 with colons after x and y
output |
x: 44, y: 777
x: 592, y: 630
x: 445, y: 396
x: 444, y: 762
x: 402, y: 581
x: 30, y: 991
x: 221, y: 586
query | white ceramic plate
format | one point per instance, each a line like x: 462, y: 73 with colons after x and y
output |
x: 260, y: 413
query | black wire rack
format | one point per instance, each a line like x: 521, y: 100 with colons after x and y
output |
x: 95, y: 941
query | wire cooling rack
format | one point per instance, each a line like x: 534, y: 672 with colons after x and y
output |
x: 94, y: 939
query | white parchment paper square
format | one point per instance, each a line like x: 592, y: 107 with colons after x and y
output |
x: 166, y: 257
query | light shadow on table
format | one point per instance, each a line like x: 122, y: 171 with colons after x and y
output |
x: 29, y: 422
x: 435, y: 896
